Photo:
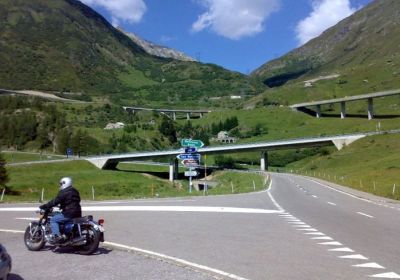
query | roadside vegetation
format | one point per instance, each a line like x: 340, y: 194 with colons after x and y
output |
x: 371, y: 164
x: 26, y: 182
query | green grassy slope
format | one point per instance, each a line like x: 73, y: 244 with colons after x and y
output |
x: 371, y: 161
x: 27, y: 182
x: 65, y: 46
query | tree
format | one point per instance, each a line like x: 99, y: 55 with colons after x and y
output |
x: 3, y: 172
x: 167, y: 128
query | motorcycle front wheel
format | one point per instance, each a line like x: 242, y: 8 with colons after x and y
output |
x: 92, y: 241
x: 34, y: 237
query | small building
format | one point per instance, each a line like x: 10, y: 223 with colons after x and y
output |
x: 115, y: 125
x: 223, y: 137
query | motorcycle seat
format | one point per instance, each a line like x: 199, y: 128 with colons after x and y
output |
x: 82, y: 219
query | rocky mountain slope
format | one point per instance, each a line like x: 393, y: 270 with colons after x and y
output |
x: 157, y: 50
x: 65, y: 46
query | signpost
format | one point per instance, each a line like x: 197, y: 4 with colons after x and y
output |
x: 191, y: 173
x: 190, y: 163
x: 190, y: 150
x: 69, y: 152
x: 190, y: 158
x: 192, y: 143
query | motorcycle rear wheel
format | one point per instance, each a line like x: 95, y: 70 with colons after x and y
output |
x: 34, y: 237
x: 92, y: 241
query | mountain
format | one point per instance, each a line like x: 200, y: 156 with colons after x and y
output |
x: 364, y: 45
x: 65, y: 46
x: 157, y: 50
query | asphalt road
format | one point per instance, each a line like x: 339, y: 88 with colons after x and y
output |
x: 298, y: 229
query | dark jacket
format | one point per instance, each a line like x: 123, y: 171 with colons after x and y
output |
x: 69, y: 200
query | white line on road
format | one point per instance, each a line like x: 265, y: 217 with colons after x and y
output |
x: 314, y: 196
x: 331, y: 243
x: 369, y: 265
x: 307, y: 229
x: 314, y: 233
x: 322, y: 238
x: 28, y: 219
x: 159, y: 209
x: 331, y: 203
x: 366, y: 215
x: 301, y: 226
x: 181, y: 261
x: 354, y: 257
x: 177, y: 260
x: 345, y: 249
x: 388, y: 275
x: 11, y: 231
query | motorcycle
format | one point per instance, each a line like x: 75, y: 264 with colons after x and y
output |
x: 83, y: 233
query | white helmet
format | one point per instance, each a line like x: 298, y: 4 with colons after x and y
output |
x: 65, y: 182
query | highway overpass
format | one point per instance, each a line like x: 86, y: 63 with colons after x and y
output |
x: 369, y: 97
x: 170, y: 112
x: 111, y: 161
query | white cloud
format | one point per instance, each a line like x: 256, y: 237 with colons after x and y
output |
x: 325, y: 14
x: 235, y: 19
x: 121, y: 10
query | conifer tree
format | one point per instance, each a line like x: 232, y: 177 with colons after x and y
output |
x: 3, y: 171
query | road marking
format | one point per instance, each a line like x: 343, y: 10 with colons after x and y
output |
x: 302, y: 226
x: 307, y: 229
x: 322, y: 238
x: 331, y: 243
x: 369, y: 265
x: 331, y: 203
x: 345, y: 249
x: 12, y: 231
x: 28, y: 219
x: 314, y: 196
x: 314, y: 233
x: 366, y: 215
x: 296, y: 223
x: 159, y: 209
x: 181, y: 261
x: 177, y: 260
x: 354, y: 257
x: 388, y: 275
x: 273, y: 199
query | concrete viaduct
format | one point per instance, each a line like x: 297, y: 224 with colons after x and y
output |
x: 369, y: 97
x: 170, y: 112
x: 111, y: 161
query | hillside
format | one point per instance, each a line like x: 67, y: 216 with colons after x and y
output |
x: 157, y: 50
x: 65, y: 46
x: 362, y: 50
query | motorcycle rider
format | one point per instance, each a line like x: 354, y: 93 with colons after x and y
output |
x: 69, y: 200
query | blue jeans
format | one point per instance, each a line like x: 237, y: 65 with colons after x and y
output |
x: 55, y: 221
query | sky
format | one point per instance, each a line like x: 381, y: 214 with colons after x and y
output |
x: 239, y: 35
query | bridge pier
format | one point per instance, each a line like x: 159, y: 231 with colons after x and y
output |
x: 174, y: 116
x: 201, y: 115
x: 342, y: 110
x: 264, y: 161
x: 318, y: 111
x: 188, y: 116
x: 370, y: 108
x: 173, y: 169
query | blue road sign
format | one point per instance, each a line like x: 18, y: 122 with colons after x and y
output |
x: 69, y: 152
x: 190, y: 150
x: 189, y: 156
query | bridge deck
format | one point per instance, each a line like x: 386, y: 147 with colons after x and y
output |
x: 347, y: 99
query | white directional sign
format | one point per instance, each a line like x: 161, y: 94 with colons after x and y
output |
x: 191, y: 173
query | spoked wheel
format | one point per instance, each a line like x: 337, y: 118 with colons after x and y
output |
x: 92, y: 241
x: 34, y: 237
